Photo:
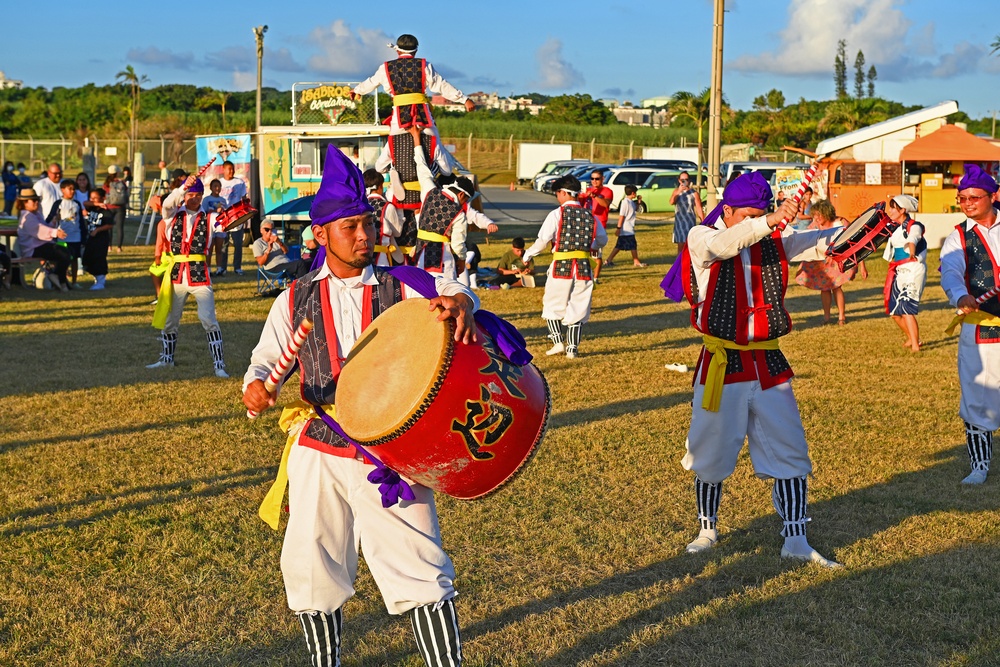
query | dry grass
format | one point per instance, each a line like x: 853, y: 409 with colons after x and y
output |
x: 130, y: 534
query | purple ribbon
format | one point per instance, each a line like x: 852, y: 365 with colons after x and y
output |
x: 392, y: 487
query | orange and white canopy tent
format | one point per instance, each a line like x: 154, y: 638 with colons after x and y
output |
x: 950, y: 144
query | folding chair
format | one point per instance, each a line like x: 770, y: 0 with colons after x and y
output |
x: 270, y: 283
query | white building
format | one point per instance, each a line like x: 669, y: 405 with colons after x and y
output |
x: 9, y: 83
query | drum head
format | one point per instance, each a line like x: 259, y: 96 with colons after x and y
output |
x: 396, y: 364
x: 239, y: 221
x: 848, y: 232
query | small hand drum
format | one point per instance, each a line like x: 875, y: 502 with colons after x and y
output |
x: 237, y: 214
x: 861, y: 238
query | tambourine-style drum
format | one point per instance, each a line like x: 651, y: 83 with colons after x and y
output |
x: 236, y: 214
x: 861, y: 238
x: 460, y: 419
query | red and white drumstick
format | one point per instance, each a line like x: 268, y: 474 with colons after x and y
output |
x: 806, y: 180
x: 982, y: 299
x: 201, y: 172
x: 287, y: 357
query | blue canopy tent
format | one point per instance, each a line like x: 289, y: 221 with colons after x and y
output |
x: 292, y: 217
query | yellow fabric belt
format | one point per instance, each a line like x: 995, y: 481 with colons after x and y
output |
x: 570, y: 254
x: 406, y: 99
x: 716, y: 378
x: 411, y: 185
x: 408, y: 249
x: 292, y: 421
x: 386, y: 248
x: 431, y: 236
x: 973, y: 318
x: 166, y: 296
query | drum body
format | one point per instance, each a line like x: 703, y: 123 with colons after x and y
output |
x: 236, y: 214
x: 460, y: 419
x: 861, y: 238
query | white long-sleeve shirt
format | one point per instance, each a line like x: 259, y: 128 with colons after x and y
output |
x: 953, y: 259
x: 550, y: 226
x: 346, y: 304
x: 432, y: 79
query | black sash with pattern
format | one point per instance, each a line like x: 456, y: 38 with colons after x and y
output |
x: 408, y: 237
x: 980, y: 276
x: 316, y: 371
x: 378, y: 203
x: 199, y: 246
x: 437, y: 216
x: 575, y: 232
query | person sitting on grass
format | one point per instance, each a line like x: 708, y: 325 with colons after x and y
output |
x: 511, y: 268
x: 626, y: 229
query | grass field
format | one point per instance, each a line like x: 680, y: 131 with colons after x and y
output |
x: 130, y: 537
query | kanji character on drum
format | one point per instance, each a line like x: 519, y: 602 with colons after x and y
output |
x: 183, y: 252
x: 574, y: 233
x: 906, y: 252
x: 332, y: 506
x: 735, y: 272
x: 969, y: 271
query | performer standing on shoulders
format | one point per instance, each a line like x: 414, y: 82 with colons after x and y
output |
x: 735, y: 273
x: 574, y: 234
x: 332, y: 506
x: 969, y: 269
x: 906, y: 252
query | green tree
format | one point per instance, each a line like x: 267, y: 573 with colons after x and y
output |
x: 848, y: 115
x: 216, y: 98
x: 577, y: 110
x: 770, y: 102
x: 995, y: 46
x: 128, y: 77
x: 872, y: 75
x: 840, y: 70
x: 684, y: 104
x: 859, y: 74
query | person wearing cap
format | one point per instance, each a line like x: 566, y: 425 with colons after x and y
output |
x: 574, y: 233
x: 184, y: 260
x: 734, y: 274
x: 36, y: 238
x: 970, y: 269
x: 333, y: 507
x: 116, y: 201
x: 906, y: 252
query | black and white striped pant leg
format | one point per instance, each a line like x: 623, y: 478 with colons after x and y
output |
x: 169, y: 341
x: 789, y: 497
x: 435, y: 627
x: 322, y: 632
x: 215, y: 346
x: 709, y: 496
x: 555, y: 331
x: 980, y: 444
x: 573, y: 334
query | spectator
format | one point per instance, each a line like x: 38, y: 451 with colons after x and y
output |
x: 270, y: 251
x: 127, y: 176
x: 164, y: 172
x: 35, y: 238
x: 11, y: 184
x: 47, y: 189
x: 116, y: 202
x: 83, y: 188
x: 71, y: 222
x: 100, y: 222
x: 215, y: 203
x: 825, y: 275
x: 687, y: 210
x: 234, y: 189
x: 22, y: 174
x: 512, y: 268
x: 626, y: 228
x: 805, y: 215
x: 598, y: 198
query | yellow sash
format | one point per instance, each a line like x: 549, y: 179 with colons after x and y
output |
x: 166, y: 296
x: 570, y: 254
x: 714, y: 381
x: 431, y: 236
x: 973, y: 318
x: 406, y: 99
x: 411, y: 185
x: 385, y: 248
x: 292, y: 421
x: 408, y: 249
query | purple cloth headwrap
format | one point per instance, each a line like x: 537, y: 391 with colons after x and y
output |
x: 975, y: 177
x: 746, y: 190
x: 197, y: 186
x: 341, y: 192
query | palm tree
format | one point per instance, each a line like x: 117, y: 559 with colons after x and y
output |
x: 215, y: 98
x: 995, y: 45
x: 128, y: 77
x: 697, y: 108
x: 849, y: 114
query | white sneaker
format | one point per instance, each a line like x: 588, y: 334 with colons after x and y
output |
x: 221, y: 373
x: 680, y: 368
x: 558, y: 348
x: 812, y: 557
x: 570, y: 354
x: 975, y: 477
x: 701, y: 543
x: 161, y: 364
x: 154, y: 302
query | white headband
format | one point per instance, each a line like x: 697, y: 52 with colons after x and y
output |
x: 393, y: 46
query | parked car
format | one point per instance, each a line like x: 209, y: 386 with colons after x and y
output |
x: 617, y: 178
x: 553, y: 169
x: 666, y: 165
x: 658, y: 188
x: 729, y: 170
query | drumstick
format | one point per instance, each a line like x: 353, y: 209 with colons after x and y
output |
x: 201, y: 172
x: 287, y: 357
x: 806, y: 180
x: 982, y: 299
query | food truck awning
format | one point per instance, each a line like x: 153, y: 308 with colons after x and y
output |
x: 950, y: 144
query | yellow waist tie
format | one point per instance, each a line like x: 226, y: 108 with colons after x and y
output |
x: 570, y: 254
x: 292, y: 421
x: 408, y: 249
x: 406, y: 99
x: 385, y: 248
x: 431, y: 236
x: 714, y: 381
x: 413, y: 186
x: 973, y: 318
x: 166, y: 296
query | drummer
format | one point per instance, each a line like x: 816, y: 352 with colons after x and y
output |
x: 734, y: 279
x: 906, y: 252
x: 333, y: 507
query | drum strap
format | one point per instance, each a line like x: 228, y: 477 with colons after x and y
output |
x: 166, y: 295
x: 975, y: 318
x: 714, y: 381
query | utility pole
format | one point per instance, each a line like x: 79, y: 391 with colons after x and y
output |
x: 993, y: 134
x: 258, y: 34
x: 715, y: 107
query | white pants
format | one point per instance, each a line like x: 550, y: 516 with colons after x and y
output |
x: 203, y: 294
x: 768, y: 419
x: 567, y: 299
x: 333, y: 509
x: 979, y: 378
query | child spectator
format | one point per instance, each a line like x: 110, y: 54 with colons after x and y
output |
x: 71, y: 222
x: 626, y: 228
x: 100, y: 222
x: 216, y: 203
x: 511, y: 268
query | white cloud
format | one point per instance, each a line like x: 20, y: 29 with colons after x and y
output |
x: 245, y: 58
x: 243, y: 81
x: 152, y: 55
x: 348, y: 53
x: 554, y: 72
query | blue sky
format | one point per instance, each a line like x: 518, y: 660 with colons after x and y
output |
x: 924, y: 51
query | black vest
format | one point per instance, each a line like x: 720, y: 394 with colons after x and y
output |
x: 406, y: 75
x: 980, y: 277
x: 200, y: 242
x: 437, y: 215
x: 576, y: 232
x: 401, y: 152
